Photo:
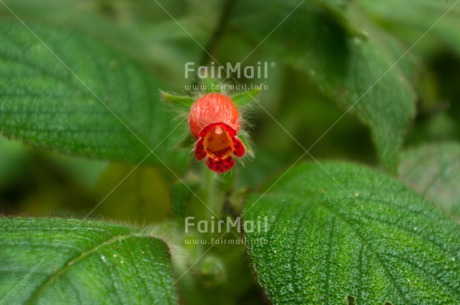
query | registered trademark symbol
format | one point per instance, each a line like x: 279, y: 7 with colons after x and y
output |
x: 273, y: 64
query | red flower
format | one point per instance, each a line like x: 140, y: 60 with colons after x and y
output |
x: 215, y: 122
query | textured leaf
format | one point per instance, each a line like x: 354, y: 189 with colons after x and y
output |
x: 142, y: 28
x: 56, y: 261
x: 68, y: 92
x: 434, y: 171
x: 344, y: 231
x: 356, y: 68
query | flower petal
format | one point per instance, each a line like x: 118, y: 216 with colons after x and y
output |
x: 231, y: 132
x: 239, y: 149
x: 200, y: 153
x: 220, y: 165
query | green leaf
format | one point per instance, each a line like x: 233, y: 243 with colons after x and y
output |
x: 181, y: 102
x: 434, y: 171
x: 246, y: 97
x: 211, y: 84
x: 68, y: 92
x: 143, y: 29
x: 341, y: 231
x: 358, y: 69
x: 410, y: 20
x: 65, y: 261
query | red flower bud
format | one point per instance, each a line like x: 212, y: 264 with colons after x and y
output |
x: 215, y: 122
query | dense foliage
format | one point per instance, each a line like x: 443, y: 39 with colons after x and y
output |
x: 98, y: 180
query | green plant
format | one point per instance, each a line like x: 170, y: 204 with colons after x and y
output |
x: 139, y: 221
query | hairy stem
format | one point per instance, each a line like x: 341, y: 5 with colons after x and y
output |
x: 212, y: 200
